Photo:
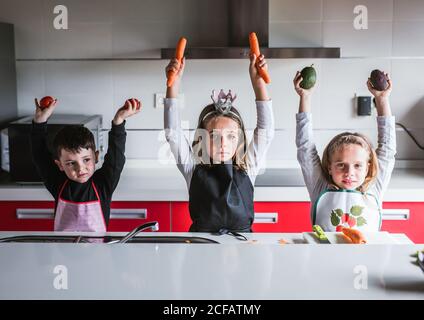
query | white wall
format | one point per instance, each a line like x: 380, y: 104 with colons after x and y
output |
x: 126, y: 29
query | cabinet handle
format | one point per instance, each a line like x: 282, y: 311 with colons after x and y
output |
x: 33, y: 213
x: 128, y: 213
x: 395, y: 214
x: 266, y: 217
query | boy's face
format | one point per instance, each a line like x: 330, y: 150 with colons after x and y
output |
x: 79, y: 166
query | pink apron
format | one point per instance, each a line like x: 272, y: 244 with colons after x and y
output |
x: 79, y: 216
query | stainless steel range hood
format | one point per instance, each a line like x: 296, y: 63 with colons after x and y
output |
x: 226, y: 36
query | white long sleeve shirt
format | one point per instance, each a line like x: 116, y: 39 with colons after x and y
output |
x: 182, y: 150
x: 310, y: 161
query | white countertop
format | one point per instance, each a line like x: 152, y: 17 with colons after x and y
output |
x: 210, y: 271
x: 167, y: 184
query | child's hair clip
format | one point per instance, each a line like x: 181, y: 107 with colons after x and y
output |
x: 223, y: 102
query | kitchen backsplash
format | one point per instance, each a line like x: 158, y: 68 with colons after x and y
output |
x: 128, y: 29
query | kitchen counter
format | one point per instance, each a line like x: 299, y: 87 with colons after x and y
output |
x: 167, y: 184
x: 233, y: 269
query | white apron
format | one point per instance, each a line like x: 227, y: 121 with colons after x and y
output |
x: 348, y: 208
x: 79, y: 216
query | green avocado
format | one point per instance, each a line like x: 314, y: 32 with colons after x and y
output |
x: 309, y: 76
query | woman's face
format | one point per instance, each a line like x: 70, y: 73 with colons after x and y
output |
x: 349, y: 166
x: 223, y: 133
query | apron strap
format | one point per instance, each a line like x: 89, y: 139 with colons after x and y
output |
x: 61, y: 188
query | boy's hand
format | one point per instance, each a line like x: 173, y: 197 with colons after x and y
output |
x: 43, y: 114
x: 178, y: 68
x: 303, y: 93
x: 258, y: 84
x: 130, y: 108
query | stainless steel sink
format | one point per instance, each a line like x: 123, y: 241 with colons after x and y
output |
x: 105, y: 239
x: 276, y: 177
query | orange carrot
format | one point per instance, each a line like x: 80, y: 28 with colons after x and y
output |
x: 354, y: 235
x: 179, y: 54
x: 254, y: 49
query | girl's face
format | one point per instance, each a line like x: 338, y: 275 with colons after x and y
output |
x: 223, y: 133
x: 349, y: 166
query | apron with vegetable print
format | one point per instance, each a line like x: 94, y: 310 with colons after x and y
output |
x: 348, y: 208
x: 79, y: 216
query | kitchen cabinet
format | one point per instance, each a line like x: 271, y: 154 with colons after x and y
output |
x: 289, y: 217
x: 398, y: 217
x: 404, y: 217
x: 180, y: 217
x: 26, y: 215
x: 269, y: 217
x: 125, y: 215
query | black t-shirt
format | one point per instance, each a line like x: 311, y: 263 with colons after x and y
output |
x: 105, y: 179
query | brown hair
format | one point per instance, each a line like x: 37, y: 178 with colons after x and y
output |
x: 347, y: 138
x: 73, y: 138
x: 208, y: 114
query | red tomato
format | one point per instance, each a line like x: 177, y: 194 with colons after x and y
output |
x: 46, y: 102
x: 134, y: 101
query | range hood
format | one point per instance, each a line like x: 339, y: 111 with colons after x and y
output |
x: 225, y: 36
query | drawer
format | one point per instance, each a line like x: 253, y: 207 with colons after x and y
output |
x: 269, y: 217
x: 124, y: 216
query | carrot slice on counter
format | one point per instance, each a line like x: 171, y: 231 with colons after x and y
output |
x: 179, y: 54
x: 254, y: 49
x: 354, y: 235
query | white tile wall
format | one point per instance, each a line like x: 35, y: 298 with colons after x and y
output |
x: 376, y: 41
x: 285, y: 98
x: 295, y: 10
x: 408, y: 93
x: 142, y: 39
x: 337, y: 10
x: 408, y: 10
x: 77, y: 42
x: 138, y: 28
x: 295, y: 34
x: 408, y: 39
x: 92, y: 11
x: 27, y: 17
x: 341, y: 80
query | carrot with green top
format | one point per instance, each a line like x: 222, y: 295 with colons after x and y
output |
x: 354, y: 235
x: 254, y: 49
x: 179, y: 54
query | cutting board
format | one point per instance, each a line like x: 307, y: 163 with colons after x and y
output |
x: 338, y: 238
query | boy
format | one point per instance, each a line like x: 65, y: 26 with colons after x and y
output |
x: 82, y: 194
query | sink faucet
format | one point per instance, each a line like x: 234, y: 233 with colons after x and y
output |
x: 154, y: 225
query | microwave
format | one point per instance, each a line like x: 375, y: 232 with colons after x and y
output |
x: 15, y: 143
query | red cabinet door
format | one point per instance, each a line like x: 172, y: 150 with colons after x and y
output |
x: 26, y: 215
x: 127, y: 215
x: 269, y: 217
x: 39, y: 215
x: 290, y: 217
x: 413, y: 227
x: 180, y: 217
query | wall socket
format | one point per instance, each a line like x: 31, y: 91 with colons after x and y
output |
x: 160, y: 100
